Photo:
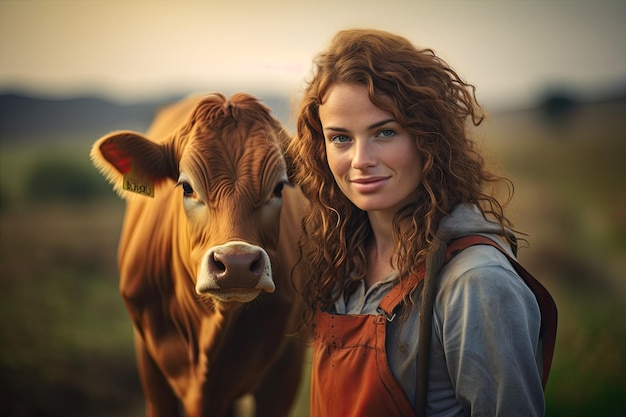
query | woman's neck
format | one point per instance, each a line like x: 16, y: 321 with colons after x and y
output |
x: 379, y: 249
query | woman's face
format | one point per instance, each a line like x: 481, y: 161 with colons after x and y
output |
x: 373, y: 159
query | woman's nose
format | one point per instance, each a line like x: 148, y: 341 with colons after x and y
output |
x: 363, y: 156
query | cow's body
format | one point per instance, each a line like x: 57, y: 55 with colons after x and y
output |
x: 204, y: 271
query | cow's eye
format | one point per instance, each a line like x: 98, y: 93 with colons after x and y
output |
x: 187, y: 189
x: 278, y: 190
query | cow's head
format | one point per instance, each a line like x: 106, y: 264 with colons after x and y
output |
x: 225, y: 168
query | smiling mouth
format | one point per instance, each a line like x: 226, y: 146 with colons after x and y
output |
x: 369, y: 180
x: 369, y: 184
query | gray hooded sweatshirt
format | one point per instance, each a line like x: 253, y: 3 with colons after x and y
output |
x: 485, y: 354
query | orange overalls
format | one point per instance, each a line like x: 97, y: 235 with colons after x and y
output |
x: 349, y: 356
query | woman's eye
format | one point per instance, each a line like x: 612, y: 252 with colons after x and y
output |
x: 386, y: 133
x: 187, y: 189
x: 339, y: 139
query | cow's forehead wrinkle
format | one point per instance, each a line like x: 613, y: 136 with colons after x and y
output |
x: 219, y: 168
x: 231, y: 149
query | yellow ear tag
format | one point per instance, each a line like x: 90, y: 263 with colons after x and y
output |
x: 139, y: 186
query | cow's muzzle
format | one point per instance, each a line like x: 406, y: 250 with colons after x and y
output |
x: 235, y: 272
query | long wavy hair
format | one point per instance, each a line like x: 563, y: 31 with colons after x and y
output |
x: 429, y: 99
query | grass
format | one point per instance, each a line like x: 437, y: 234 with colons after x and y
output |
x: 65, y: 331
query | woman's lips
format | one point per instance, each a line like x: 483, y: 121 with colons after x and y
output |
x: 369, y: 184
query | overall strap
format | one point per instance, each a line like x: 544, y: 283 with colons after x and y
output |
x: 387, y: 308
x: 547, y: 306
x: 394, y: 297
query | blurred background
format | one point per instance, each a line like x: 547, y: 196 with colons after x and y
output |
x: 551, y: 75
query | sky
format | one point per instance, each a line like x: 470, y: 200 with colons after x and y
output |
x: 131, y: 50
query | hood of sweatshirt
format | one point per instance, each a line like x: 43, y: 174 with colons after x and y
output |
x: 466, y: 219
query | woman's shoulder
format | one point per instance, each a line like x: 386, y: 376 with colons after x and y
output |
x: 481, y: 283
x: 480, y: 268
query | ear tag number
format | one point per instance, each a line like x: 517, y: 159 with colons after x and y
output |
x: 134, y: 185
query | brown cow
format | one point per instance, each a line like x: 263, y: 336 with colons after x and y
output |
x: 205, y: 263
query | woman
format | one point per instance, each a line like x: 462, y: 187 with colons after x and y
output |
x: 384, y: 154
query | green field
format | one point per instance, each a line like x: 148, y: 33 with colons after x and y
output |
x: 66, y: 342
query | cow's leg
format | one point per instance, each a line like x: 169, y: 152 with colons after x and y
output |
x: 160, y: 399
x: 277, y: 392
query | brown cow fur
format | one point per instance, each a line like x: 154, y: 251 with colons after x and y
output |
x: 200, y: 353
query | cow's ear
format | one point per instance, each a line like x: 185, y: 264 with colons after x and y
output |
x: 132, y: 163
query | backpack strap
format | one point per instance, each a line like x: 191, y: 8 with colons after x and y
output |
x: 547, y: 306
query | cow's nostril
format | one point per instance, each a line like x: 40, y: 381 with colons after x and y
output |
x: 215, y: 265
x: 257, y: 266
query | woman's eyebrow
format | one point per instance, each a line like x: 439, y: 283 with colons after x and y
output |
x: 336, y: 129
x: 379, y: 124
x: 370, y: 127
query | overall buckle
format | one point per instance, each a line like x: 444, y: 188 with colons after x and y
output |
x: 383, y: 313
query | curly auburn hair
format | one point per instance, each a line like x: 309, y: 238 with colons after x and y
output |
x: 431, y: 101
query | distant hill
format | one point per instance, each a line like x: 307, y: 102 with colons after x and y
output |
x: 28, y: 119
x: 32, y: 119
